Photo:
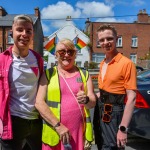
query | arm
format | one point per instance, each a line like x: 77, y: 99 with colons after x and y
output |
x: 46, y: 113
x: 82, y: 97
x: 127, y: 115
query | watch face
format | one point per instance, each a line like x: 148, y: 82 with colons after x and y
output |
x: 122, y: 128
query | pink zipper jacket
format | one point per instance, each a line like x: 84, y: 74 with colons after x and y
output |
x: 5, y: 62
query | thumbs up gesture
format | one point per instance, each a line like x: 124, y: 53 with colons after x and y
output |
x: 81, y: 96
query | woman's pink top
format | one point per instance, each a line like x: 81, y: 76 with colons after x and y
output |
x: 71, y: 115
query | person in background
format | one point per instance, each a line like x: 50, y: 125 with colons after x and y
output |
x: 20, y: 71
x: 65, y: 94
x: 117, y: 79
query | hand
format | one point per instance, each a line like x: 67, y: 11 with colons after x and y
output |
x: 81, y: 96
x: 121, y: 139
x: 63, y: 133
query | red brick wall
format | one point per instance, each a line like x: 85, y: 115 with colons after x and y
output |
x: 126, y: 30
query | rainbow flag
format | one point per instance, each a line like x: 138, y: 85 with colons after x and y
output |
x: 80, y: 44
x: 50, y: 46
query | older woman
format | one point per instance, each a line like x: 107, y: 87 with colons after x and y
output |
x: 65, y: 94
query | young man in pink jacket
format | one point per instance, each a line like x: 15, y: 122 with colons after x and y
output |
x: 20, y: 70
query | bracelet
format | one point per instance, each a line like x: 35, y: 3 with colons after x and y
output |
x: 56, y: 125
x: 87, y: 100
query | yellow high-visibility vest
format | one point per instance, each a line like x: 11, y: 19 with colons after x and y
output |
x: 49, y: 135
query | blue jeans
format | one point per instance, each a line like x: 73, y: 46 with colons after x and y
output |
x: 24, y: 130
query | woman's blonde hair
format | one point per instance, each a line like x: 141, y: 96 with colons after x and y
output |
x: 68, y: 43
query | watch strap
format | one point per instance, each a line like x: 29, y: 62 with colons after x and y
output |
x: 56, y: 125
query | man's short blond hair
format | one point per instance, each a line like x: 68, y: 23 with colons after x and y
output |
x: 25, y: 18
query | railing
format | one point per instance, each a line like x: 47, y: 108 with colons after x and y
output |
x: 94, y: 75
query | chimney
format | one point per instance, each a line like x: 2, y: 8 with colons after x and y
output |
x: 2, y: 11
x: 87, y: 25
x: 68, y: 18
x: 143, y: 16
x: 37, y: 12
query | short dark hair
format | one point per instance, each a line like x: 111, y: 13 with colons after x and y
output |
x: 107, y: 27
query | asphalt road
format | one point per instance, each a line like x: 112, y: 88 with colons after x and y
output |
x: 134, y: 143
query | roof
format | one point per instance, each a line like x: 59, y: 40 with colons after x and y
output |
x: 8, y: 19
x: 72, y: 34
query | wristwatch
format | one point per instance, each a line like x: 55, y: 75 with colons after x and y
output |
x: 87, y: 100
x: 123, y: 129
x: 56, y: 125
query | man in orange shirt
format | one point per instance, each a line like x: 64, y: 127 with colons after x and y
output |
x: 117, y: 79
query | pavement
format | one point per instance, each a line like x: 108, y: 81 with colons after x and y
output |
x: 94, y: 147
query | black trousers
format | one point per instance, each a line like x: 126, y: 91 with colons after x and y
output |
x: 24, y: 130
x: 105, y: 133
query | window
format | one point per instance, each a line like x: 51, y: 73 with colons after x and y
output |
x: 98, y: 57
x: 133, y: 57
x: 134, y: 41
x: 119, y: 42
x: 10, y: 39
x: 98, y: 45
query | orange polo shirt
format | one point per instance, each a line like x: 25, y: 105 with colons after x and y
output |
x: 120, y: 75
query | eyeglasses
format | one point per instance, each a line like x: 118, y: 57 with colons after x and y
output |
x: 63, y: 52
x: 107, y: 111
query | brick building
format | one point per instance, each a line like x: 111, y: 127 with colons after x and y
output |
x: 133, y: 41
x: 6, y: 26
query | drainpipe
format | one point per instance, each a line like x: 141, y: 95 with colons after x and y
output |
x: 3, y: 39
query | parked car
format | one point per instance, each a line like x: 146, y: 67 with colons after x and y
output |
x: 140, y: 122
x: 144, y: 74
x: 139, y: 69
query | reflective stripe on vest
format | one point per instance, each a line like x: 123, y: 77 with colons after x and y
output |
x: 49, y: 135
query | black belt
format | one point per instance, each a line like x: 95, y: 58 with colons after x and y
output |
x: 111, y: 98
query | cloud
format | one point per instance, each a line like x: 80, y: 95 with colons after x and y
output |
x: 54, y: 16
x: 94, y: 9
x: 59, y: 10
x: 45, y: 27
x: 110, y: 20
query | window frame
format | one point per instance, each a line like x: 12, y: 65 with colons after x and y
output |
x: 119, y: 41
x: 10, y: 39
x: 134, y: 60
x: 134, y: 41
x: 98, y: 57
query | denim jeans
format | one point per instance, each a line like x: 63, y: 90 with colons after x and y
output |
x: 24, y: 130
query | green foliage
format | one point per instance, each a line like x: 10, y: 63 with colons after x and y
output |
x: 146, y: 56
x: 92, y: 65
x: 45, y: 58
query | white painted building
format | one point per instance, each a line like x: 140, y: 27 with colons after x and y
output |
x: 71, y: 32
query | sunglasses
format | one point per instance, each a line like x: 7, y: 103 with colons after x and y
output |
x: 63, y: 52
x: 107, y: 111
